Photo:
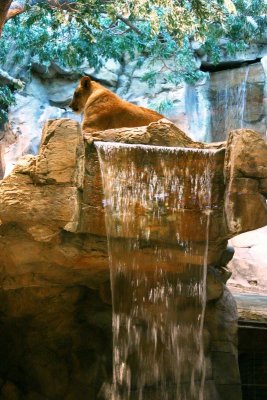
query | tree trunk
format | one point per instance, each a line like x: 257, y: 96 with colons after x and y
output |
x: 4, y: 7
x: 9, y: 8
x: 19, y: 6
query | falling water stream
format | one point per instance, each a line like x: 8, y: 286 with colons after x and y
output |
x: 158, y: 262
x: 229, y: 102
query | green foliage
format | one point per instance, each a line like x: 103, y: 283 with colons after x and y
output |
x: 247, y: 24
x: 163, y: 106
x: 160, y: 31
x: 7, y: 98
x: 150, y: 77
x: 94, y: 30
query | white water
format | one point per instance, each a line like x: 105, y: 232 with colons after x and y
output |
x: 198, y: 111
x: 158, y: 275
x: 264, y: 64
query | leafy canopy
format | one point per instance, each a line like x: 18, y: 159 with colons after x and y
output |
x: 7, y: 98
x: 93, y: 30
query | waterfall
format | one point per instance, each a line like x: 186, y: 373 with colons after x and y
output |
x: 228, y: 96
x: 197, y: 109
x: 157, y: 219
x: 264, y: 65
x: 219, y: 105
x: 243, y: 97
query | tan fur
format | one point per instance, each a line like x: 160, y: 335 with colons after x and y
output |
x: 103, y: 109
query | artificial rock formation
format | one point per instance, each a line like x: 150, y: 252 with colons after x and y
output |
x: 249, y: 269
x: 245, y: 174
x: 55, y: 297
x: 222, y: 101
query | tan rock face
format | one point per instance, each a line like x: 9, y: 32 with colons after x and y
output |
x: 42, y: 195
x: 61, y: 157
x: 245, y: 176
x: 54, y: 268
x: 161, y: 133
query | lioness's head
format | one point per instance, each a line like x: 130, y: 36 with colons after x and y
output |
x: 81, y: 94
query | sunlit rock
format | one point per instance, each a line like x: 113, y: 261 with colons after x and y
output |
x: 54, y: 263
x: 245, y: 169
x: 249, y: 265
x: 251, y: 53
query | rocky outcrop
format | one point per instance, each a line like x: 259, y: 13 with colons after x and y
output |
x: 161, y: 133
x: 36, y: 181
x: 245, y: 176
x: 207, y: 111
x: 248, y: 270
x: 54, y: 268
x: 227, y: 61
x: 238, y: 100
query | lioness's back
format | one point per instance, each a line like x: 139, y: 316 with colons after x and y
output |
x: 103, y: 109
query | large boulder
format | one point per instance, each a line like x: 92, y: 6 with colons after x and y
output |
x: 246, y: 180
x: 249, y: 268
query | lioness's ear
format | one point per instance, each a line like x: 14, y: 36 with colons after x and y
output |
x: 85, y: 82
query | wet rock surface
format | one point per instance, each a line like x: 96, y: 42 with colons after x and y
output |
x: 55, y: 297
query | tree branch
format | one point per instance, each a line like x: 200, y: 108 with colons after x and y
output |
x: 6, y: 79
x: 19, y: 6
x: 128, y: 23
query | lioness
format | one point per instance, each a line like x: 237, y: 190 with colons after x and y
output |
x: 103, y: 109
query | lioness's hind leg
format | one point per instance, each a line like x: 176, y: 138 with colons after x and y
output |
x: 90, y: 128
